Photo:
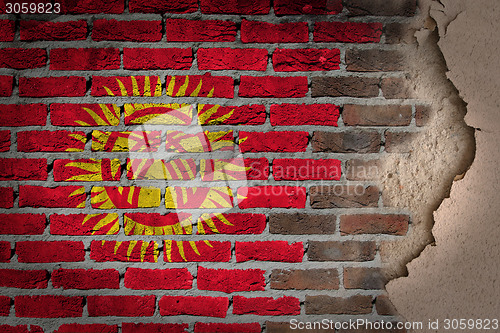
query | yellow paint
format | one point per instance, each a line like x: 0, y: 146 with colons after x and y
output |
x: 213, y: 197
x: 170, y: 118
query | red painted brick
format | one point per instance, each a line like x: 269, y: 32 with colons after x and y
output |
x: 273, y: 86
x: 6, y: 197
x: 7, y: 30
x: 134, y: 86
x: 23, y: 115
x: 302, y: 114
x: 269, y: 251
x: 48, y: 306
x: 293, y: 60
x: 23, y: 279
x: 255, y: 142
x: 56, y: 197
x: 238, y: 224
x: 272, y: 197
x: 63, y: 86
x: 227, y: 328
x: 245, y: 7
x: 142, y: 58
x: 84, y: 224
x: 76, y: 170
x: 212, y: 86
x: 230, y: 280
x: 161, y: 6
x: 154, y: 223
x: 56, y: 141
x: 22, y: 224
x: 130, y: 31
x: 298, y: 169
x: 5, y: 251
x: 102, y: 251
x: 263, y: 32
x: 194, y: 306
x: 46, y: 30
x: 6, y: 84
x: 76, y: 114
x: 4, y: 142
x: 374, y: 224
x: 152, y: 279
x: 121, y: 306
x: 90, y: 59
x: 87, y: 328
x: 23, y: 169
x: 296, y: 7
x: 181, y: 30
x: 86, y: 279
x: 44, y: 252
x: 347, y: 32
x: 228, y: 58
x: 22, y: 58
x: 20, y: 328
x: 231, y: 115
x: 266, y: 306
x: 92, y: 6
x: 157, y: 328
x: 216, y: 251
x: 4, y: 306
x: 258, y: 168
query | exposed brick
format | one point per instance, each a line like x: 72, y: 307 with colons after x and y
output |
x: 92, y: 6
x: 398, y: 33
x: 273, y: 86
x: 227, y: 328
x: 126, y: 251
x: 197, y: 251
x: 363, y: 170
x: 400, y: 142
x: 6, y: 85
x: 293, y: 60
x: 78, y: 170
x: 48, y: 306
x: 77, y: 115
x: 341, y: 251
x: 354, y: 305
x: 238, y: 223
x: 377, y: 115
x: 44, y: 252
x: 194, y: 306
x: 304, y: 114
x: 284, y: 327
x: 244, y: 7
x: 121, y: 306
x: 286, y: 141
x: 20, y: 328
x: 90, y: 59
x: 343, y: 196
x: 143, y: 141
x: 64, y: 86
x: 374, y: 224
x: 23, y: 279
x: 130, y: 31
x: 345, y: 86
x: 258, y: 168
x: 422, y: 115
x: 384, y: 306
x: 272, y: 197
x: 156, y: 224
x: 230, y: 280
x: 231, y: 115
x: 86, y: 279
x: 346, y: 142
x: 4, y: 141
x: 54, y: 31
x: 4, y: 306
x: 151, y: 327
x: 87, y: 328
x: 6, y: 197
x: 301, y: 224
x: 396, y: 88
x: 144, y: 86
x: 151, y: 279
x: 7, y: 30
x: 110, y: 197
x: 22, y: 58
x: 23, y: 169
x: 84, y: 224
x: 181, y: 30
x: 47, y: 141
x: 269, y: 251
x: 266, y: 306
x: 381, y: 7
x: 14, y: 115
x: 22, y: 224
x: 263, y: 32
x: 169, y: 58
x: 315, y: 279
x: 5, y: 251
x: 212, y: 86
x: 375, y: 60
x: 296, y: 7
x: 160, y: 6
x: 229, y: 58
x: 305, y: 169
x: 55, y: 197
x: 198, y: 197
x: 347, y: 32
x: 363, y: 278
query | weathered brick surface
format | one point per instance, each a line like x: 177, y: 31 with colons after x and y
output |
x: 22, y: 58
x: 151, y: 327
x: 195, y: 306
x: 151, y: 279
x: 23, y: 169
x: 50, y: 141
x: 22, y: 224
x: 273, y: 86
x: 134, y: 31
x: 362, y: 170
x: 263, y: 32
x: 384, y: 306
x: 73, y: 86
x: 345, y: 86
x: 230, y: 280
x: 235, y: 7
x: 23, y: 115
x: 4, y: 305
x: 7, y: 30
x: 229, y: 58
x: 86, y: 279
x: 304, y: 114
x: 181, y: 30
x: 298, y: 169
x: 301, y: 224
x: 374, y: 60
x: 400, y: 142
x: 84, y: 59
x: 298, y: 60
x: 377, y: 115
x: 54, y: 31
x: 6, y: 197
x: 347, y: 32
x: 266, y: 306
x: 5, y: 251
x: 222, y: 327
x: 290, y: 7
x: 47, y: 306
x: 399, y: 33
x: 160, y: 7
x: 92, y: 7
x: 273, y: 141
x: 6, y: 85
x: 24, y: 279
x: 44, y: 252
x: 87, y: 328
x: 84, y: 224
x: 316, y: 279
x: 374, y: 224
x: 396, y: 88
x: 343, y: 196
x: 168, y: 58
x: 381, y: 8
x: 269, y: 251
x: 271, y: 197
x: 121, y: 306
x: 341, y: 251
x: 323, y: 304
x: 422, y: 115
x: 52, y: 197
x: 347, y: 142
x: 363, y: 278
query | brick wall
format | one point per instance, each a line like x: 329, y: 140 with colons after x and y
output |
x: 172, y: 166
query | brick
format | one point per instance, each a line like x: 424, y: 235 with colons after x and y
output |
x: 229, y: 58
x: 348, y: 86
x: 157, y: 224
x: 231, y: 224
x: 50, y: 141
x: 263, y: 32
x: 297, y: 7
x: 269, y: 251
x: 347, y: 32
x: 126, y: 251
x: 92, y: 6
x: 6, y: 197
x: 158, y: 114
x: 4, y: 141
x: 84, y: 224
x: 234, y: 169
x: 344, y: 196
x: 363, y: 170
x: 89, y: 59
x: 400, y: 142
x: 126, y: 31
x: 48, y: 306
x: 314, y: 279
x: 55, y: 197
x: 384, y: 306
x: 284, y: 327
x: 5, y: 306
x: 194, y: 306
x: 144, y: 86
x: 22, y: 224
x: 273, y: 86
x: 45, y: 252
x: 143, y: 141
x: 396, y: 88
x: 64, y: 86
x: 266, y: 306
x: 306, y: 169
x: 258, y: 168
x: 6, y: 85
x: 301, y: 224
x: 109, y: 197
x: 198, y: 197
x: 227, y: 328
x: 86, y: 279
x: 80, y: 115
x: 230, y: 280
x: 373, y: 330
x: 121, y: 306
x: 304, y: 114
x: 211, y: 86
x: 295, y: 60
x: 196, y: 251
x: 242, y: 7
x: 374, y: 224
x: 54, y: 31
x: 363, y: 278
x: 20, y: 328
x: 341, y: 251
x: 152, y: 279
x: 13, y: 115
x: 284, y: 142
x: 361, y: 142
x: 272, y: 197
x: 398, y: 33
x: 23, y: 279
x: 161, y: 7
x: 159, y: 328
x: 5, y: 251
x: 23, y: 169
x: 168, y: 58
x: 381, y: 7
x: 87, y: 170
x: 354, y: 305
x: 181, y: 30
x: 22, y: 58
x: 7, y: 30
x: 87, y: 328
x: 377, y: 115
x: 422, y: 115
x: 214, y: 114
x: 375, y: 60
